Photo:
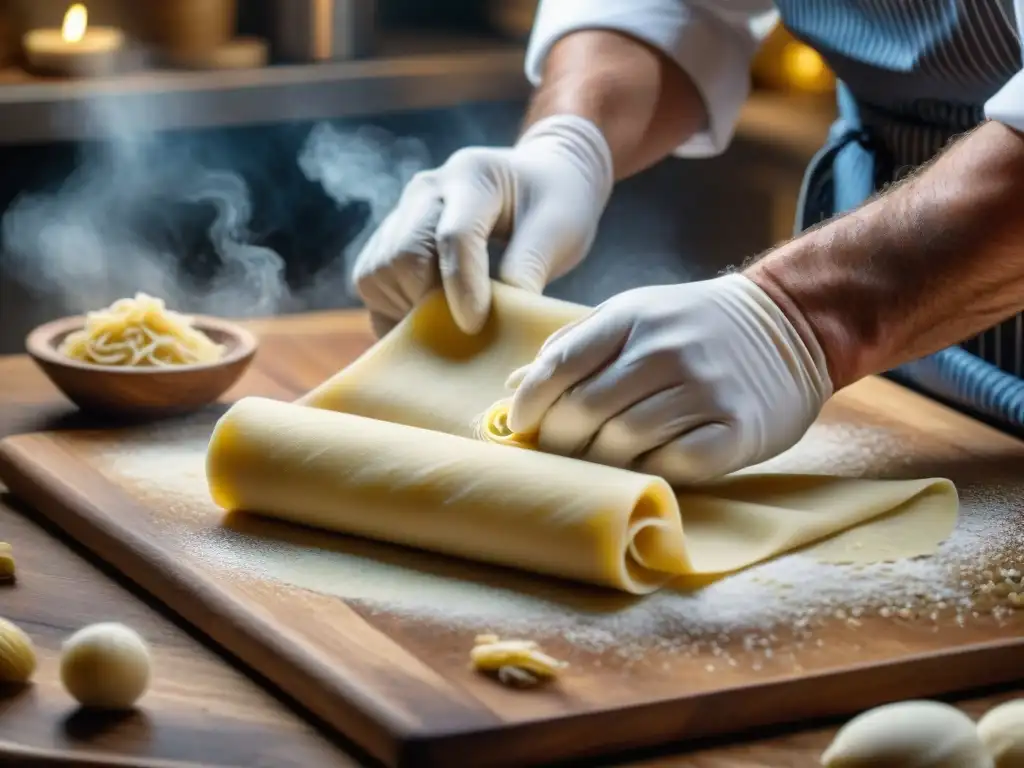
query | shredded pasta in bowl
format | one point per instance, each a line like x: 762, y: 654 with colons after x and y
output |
x: 140, y: 332
x: 138, y: 359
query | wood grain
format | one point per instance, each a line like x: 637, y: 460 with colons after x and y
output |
x: 285, y: 368
x: 33, y: 757
x: 200, y: 710
x: 353, y: 676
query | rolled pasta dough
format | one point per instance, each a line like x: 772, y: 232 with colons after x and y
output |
x: 390, y: 448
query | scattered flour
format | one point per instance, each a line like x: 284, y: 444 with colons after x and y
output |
x: 972, y: 577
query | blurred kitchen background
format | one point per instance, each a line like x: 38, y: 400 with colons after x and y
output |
x: 232, y: 155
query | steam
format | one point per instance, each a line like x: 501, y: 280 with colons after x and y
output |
x: 115, y: 225
x: 250, y: 274
x: 369, y: 165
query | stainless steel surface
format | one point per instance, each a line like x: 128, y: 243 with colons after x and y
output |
x: 323, y: 30
x: 412, y: 73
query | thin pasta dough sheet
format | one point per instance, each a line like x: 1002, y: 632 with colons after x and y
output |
x: 405, y: 445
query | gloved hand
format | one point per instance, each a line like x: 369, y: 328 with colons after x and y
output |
x: 547, y: 193
x: 689, y: 382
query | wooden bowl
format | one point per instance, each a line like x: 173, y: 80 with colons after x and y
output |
x: 142, y: 392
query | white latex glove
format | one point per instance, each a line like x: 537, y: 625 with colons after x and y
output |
x: 689, y: 382
x: 547, y: 193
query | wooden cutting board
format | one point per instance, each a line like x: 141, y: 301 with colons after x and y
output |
x: 374, y: 639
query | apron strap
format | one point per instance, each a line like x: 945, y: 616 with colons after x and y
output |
x: 818, y: 201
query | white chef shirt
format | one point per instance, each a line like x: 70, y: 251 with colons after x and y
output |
x: 714, y: 41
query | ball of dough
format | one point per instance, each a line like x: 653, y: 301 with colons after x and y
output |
x: 17, y: 654
x: 910, y: 734
x: 1002, y: 732
x: 105, y: 666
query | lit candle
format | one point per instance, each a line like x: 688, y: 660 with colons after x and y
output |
x: 75, y: 48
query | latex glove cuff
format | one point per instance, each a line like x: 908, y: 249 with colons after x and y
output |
x: 803, y: 359
x: 579, y: 140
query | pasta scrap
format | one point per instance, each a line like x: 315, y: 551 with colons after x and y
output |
x: 140, y: 332
x: 518, y: 663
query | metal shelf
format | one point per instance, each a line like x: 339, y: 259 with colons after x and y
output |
x: 412, y: 72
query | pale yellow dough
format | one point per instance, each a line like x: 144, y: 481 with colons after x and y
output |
x: 1002, y: 732
x: 393, y: 448
x: 908, y: 734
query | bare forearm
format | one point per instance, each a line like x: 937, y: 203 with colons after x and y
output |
x: 643, y: 102
x: 924, y: 266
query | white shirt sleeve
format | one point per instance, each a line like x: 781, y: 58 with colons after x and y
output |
x: 713, y: 41
x: 1007, y: 106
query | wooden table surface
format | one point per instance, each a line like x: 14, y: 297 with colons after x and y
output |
x: 204, y: 709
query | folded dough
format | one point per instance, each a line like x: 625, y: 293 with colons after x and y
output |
x: 408, y: 445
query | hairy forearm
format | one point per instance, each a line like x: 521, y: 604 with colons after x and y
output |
x: 643, y: 102
x: 928, y: 264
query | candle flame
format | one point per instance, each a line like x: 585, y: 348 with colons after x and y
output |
x: 75, y: 22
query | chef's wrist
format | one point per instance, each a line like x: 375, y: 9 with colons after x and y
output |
x: 643, y: 103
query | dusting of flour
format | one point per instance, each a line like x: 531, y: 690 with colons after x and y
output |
x: 972, y: 576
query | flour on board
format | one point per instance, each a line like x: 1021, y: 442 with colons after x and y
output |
x: 972, y: 576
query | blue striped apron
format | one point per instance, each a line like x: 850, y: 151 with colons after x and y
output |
x: 913, y: 74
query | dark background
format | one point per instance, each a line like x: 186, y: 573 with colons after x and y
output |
x: 682, y: 220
